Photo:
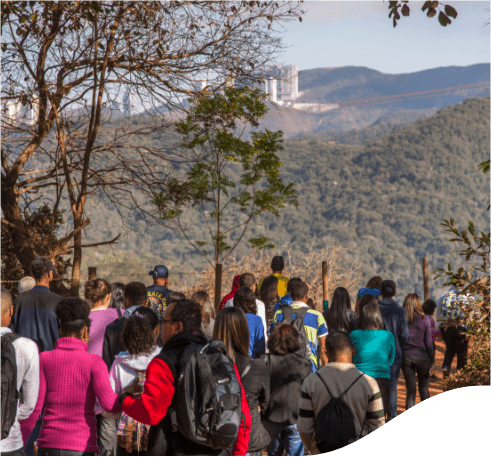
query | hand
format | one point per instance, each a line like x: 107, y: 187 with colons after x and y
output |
x: 132, y: 388
x: 432, y: 369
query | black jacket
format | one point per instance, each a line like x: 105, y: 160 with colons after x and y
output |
x: 256, y: 385
x: 348, y: 324
x: 287, y: 373
x: 161, y: 439
x: 112, y: 341
x: 394, y: 318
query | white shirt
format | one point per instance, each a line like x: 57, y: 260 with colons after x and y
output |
x: 27, y: 359
x: 261, y: 312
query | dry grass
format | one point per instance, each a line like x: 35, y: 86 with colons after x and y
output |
x: 307, y: 266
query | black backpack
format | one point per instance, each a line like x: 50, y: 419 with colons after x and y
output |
x: 296, y: 317
x: 334, y: 424
x: 208, y: 396
x: 10, y: 394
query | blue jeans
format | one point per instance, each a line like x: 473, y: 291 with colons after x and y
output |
x: 283, y: 438
x: 395, y: 369
x: 34, y: 435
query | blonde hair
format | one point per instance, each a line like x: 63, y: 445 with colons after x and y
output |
x: 231, y: 327
x: 412, y: 306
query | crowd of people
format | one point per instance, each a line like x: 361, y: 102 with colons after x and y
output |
x: 136, y: 370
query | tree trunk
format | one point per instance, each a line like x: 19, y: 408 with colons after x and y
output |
x: 77, y: 251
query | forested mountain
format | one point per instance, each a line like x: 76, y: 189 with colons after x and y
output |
x: 384, y: 200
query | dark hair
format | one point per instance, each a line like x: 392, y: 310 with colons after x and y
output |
x: 117, y: 295
x: 96, y: 290
x: 371, y: 318
x: 73, y: 316
x: 429, y: 306
x: 298, y: 290
x: 412, y: 306
x: 231, y: 327
x: 138, y: 337
x: 284, y: 339
x: 245, y: 299
x: 174, y: 296
x: 188, y: 313
x: 375, y: 282
x: 290, y: 284
x: 338, y: 343
x: 269, y: 296
x: 247, y: 280
x: 6, y: 300
x: 203, y: 299
x: 364, y: 301
x: 278, y: 263
x: 337, y: 316
x: 310, y: 303
x: 135, y: 293
x: 388, y: 288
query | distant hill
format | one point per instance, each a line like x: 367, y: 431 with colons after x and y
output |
x: 382, y: 197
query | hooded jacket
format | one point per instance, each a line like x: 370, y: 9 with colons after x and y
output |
x: 394, y: 318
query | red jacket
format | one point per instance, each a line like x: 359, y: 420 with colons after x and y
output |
x: 157, y: 397
x: 235, y: 286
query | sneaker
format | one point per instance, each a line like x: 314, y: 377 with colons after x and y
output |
x: 445, y: 371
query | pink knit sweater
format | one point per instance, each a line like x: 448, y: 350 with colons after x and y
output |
x: 70, y: 379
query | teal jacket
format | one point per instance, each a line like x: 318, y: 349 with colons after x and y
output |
x: 375, y: 352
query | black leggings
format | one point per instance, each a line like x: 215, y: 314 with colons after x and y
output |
x: 416, y: 365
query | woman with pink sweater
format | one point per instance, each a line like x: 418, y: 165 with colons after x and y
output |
x: 70, y: 381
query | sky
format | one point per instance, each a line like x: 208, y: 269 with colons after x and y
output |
x: 360, y: 33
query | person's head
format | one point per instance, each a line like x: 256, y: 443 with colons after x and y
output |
x: 97, y: 291
x: 245, y: 299
x: 203, y: 299
x: 388, y: 288
x: 412, y: 306
x: 247, y: 280
x: 180, y: 316
x: 284, y: 339
x: 371, y: 318
x: 299, y: 292
x: 337, y: 318
x: 42, y: 270
x: 141, y: 331
x: 160, y: 275
x: 429, y: 307
x: 117, y: 295
x: 73, y: 318
x: 269, y: 295
x: 7, y: 307
x: 277, y: 264
x: 375, y: 282
x: 135, y: 294
x: 291, y: 282
x: 174, y: 296
x: 339, y: 347
x: 26, y: 283
x: 231, y: 327
x: 364, y: 301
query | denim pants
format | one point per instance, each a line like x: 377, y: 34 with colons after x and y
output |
x: 34, y: 435
x: 283, y: 438
x: 51, y: 451
x: 395, y: 370
x: 413, y: 365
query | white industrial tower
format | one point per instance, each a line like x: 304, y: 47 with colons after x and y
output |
x: 288, y: 85
x: 128, y: 108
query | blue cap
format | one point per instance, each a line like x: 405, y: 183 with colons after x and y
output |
x: 159, y: 271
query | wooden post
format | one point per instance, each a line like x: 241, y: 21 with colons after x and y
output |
x: 426, y: 279
x: 218, y: 285
x: 92, y: 273
x: 324, y: 282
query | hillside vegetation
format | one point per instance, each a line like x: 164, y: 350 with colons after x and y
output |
x: 384, y: 201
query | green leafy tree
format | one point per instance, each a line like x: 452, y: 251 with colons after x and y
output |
x: 235, y: 171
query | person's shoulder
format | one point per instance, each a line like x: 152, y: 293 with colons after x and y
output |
x: 259, y: 302
x: 116, y: 325
x: 371, y: 382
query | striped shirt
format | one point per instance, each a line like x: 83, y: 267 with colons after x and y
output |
x: 315, y: 328
x: 363, y: 398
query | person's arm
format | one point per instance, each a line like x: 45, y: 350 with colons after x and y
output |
x: 30, y: 382
x: 306, y: 416
x: 28, y: 424
x: 106, y: 350
x: 321, y: 338
x: 241, y: 444
x: 260, y: 344
x: 392, y: 348
x: 323, y: 359
x: 152, y: 406
x: 375, y: 416
x: 108, y: 399
x: 266, y: 388
x: 403, y: 333
x: 428, y: 341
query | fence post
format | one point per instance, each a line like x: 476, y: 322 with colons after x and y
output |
x: 218, y: 285
x: 426, y: 279
x: 92, y: 273
x: 325, y: 303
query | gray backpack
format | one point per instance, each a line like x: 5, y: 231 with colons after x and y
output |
x: 296, y: 318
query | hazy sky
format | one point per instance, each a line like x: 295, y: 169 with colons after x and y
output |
x: 359, y: 33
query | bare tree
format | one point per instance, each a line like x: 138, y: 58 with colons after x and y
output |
x: 64, y: 65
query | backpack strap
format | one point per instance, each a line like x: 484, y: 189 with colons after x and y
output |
x: 301, y: 312
x: 120, y: 315
x: 287, y: 312
x: 247, y: 368
x: 10, y: 337
x: 352, y: 384
x: 323, y: 382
